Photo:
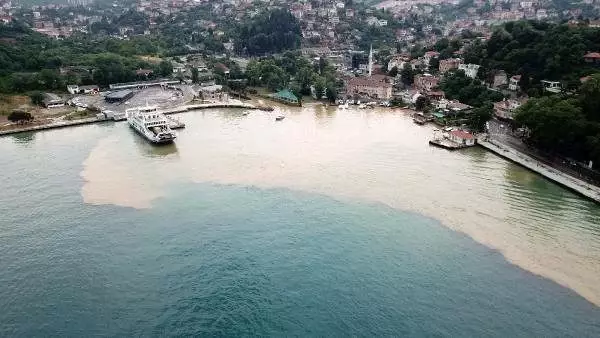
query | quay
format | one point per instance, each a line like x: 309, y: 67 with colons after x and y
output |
x: 168, y: 111
x: 53, y: 125
x: 574, y: 184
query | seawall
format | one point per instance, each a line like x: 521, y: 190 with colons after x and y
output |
x: 572, y: 183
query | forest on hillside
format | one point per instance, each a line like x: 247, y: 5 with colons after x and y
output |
x: 537, y: 51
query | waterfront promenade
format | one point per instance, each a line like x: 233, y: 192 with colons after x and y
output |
x: 579, y: 186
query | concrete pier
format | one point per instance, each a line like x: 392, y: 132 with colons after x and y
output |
x: 167, y: 111
x: 572, y: 183
x: 53, y: 125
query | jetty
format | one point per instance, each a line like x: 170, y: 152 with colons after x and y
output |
x: 52, y: 125
x: 446, y: 144
x: 166, y: 111
x: 574, y: 184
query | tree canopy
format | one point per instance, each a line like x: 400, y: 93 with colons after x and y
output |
x: 566, y: 125
x: 273, y: 31
x: 457, y: 85
x: 537, y: 50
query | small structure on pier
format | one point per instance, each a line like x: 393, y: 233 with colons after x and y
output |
x: 452, y: 139
x: 462, y: 137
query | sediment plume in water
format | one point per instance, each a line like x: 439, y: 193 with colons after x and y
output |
x: 373, y: 156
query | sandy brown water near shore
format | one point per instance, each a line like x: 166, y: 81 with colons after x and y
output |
x: 376, y: 156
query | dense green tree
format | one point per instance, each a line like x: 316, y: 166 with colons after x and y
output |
x: 541, y: 50
x: 479, y: 116
x: 319, y: 87
x: 434, y: 64
x: 590, y: 98
x: 273, y: 31
x: 456, y: 85
x: 195, y: 76
x: 554, y: 123
x: 18, y: 116
x: 407, y: 75
x: 36, y: 97
x: 331, y: 93
x: 393, y: 72
x: 165, y: 68
x: 421, y: 103
x: 396, y: 102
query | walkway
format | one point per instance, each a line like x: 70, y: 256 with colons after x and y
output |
x: 588, y: 190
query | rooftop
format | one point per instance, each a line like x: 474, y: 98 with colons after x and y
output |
x: 286, y: 94
x: 119, y: 95
x: 594, y: 55
x: 462, y: 134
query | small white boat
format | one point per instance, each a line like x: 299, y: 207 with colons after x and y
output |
x: 343, y: 106
x: 362, y: 106
x: 279, y: 118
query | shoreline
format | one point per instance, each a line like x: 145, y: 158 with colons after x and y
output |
x: 168, y: 111
x: 566, y: 181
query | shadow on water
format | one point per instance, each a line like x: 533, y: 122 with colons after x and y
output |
x: 324, y: 115
x: 23, y: 138
x: 234, y: 114
x: 476, y: 155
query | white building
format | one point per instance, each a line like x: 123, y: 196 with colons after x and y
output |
x: 552, y: 86
x: 513, y: 83
x: 470, y: 69
x: 462, y: 137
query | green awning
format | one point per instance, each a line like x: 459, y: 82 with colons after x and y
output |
x: 439, y: 115
x: 286, y: 95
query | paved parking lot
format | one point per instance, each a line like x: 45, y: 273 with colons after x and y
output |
x: 164, y: 98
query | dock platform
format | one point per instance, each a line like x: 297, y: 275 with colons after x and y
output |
x: 446, y: 144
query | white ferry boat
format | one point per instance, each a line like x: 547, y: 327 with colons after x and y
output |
x: 150, y: 123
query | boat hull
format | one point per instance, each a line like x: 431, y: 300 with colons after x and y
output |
x: 154, y: 140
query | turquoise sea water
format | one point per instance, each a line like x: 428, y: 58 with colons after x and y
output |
x: 231, y: 260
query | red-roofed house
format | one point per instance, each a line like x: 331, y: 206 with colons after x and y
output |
x: 592, y: 57
x: 462, y: 137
